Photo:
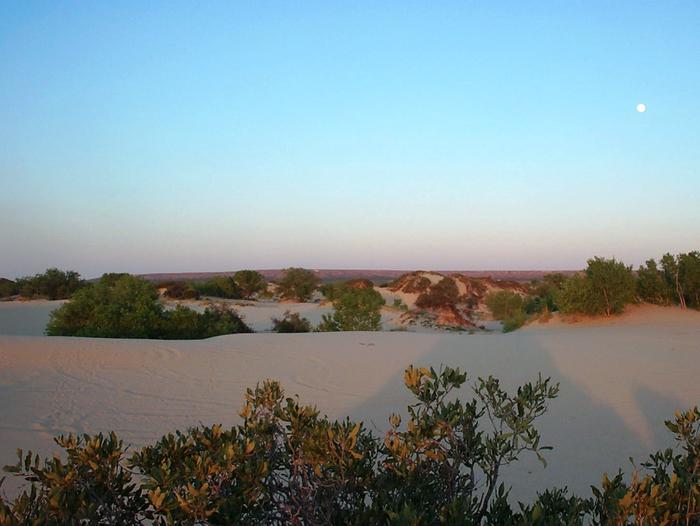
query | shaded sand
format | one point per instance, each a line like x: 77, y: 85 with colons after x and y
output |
x: 26, y: 318
x: 619, y: 381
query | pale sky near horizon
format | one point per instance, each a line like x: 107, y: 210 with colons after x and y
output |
x: 205, y: 136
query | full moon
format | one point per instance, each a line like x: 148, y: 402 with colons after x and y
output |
x: 641, y: 108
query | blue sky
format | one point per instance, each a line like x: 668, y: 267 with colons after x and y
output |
x: 196, y: 136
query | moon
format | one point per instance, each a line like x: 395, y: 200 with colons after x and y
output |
x: 641, y: 108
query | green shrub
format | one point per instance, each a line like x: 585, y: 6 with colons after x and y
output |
x: 220, y: 319
x: 605, y: 288
x: 651, y: 285
x: 115, y: 307
x: 504, y: 304
x: 291, y: 322
x: 124, y: 306
x: 219, y: 287
x: 298, y: 284
x: 250, y: 282
x: 443, y: 294
x: 54, y: 284
x: 355, y: 310
x: 180, y: 291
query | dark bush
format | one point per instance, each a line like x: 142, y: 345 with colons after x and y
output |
x: 291, y: 322
x: 250, y: 282
x: 54, y: 284
x: 125, y: 306
x: 356, y: 309
x: 219, y: 287
x: 8, y: 288
x: 443, y: 294
x: 298, y: 284
x: 180, y: 291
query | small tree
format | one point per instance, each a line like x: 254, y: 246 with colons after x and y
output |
x: 689, y: 271
x: 651, y: 286
x: 605, y: 288
x: 298, y: 284
x: 54, y: 284
x: 291, y: 322
x: 250, y: 282
x: 507, y: 307
x: 355, y: 310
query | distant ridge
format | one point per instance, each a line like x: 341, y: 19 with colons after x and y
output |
x: 377, y: 276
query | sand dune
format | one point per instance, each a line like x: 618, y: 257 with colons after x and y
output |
x: 619, y: 379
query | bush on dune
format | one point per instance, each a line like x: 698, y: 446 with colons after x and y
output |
x: 507, y: 307
x: 287, y: 464
x: 605, y: 288
x: 250, y: 283
x: 443, y: 294
x: 124, y: 306
x: 291, y: 323
x: 298, y: 284
x: 354, y: 310
x: 219, y: 287
x: 179, y: 291
x: 54, y: 284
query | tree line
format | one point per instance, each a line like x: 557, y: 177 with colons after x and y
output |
x: 604, y: 288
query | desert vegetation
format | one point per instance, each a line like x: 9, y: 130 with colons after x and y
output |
x: 355, y: 309
x: 287, y: 464
x: 250, y: 283
x: 54, y: 284
x: 8, y: 288
x: 124, y: 306
x: 291, y: 322
x: 298, y: 284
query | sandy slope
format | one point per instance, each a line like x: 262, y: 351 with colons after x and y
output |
x: 619, y: 380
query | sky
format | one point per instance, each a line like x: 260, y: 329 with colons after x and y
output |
x: 208, y: 136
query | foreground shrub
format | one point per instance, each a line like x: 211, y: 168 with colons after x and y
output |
x: 356, y: 309
x: 605, y: 288
x: 124, y: 306
x: 286, y: 464
x: 298, y: 284
x: 291, y: 322
x: 54, y: 284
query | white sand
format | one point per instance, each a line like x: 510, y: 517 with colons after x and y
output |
x: 619, y: 381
